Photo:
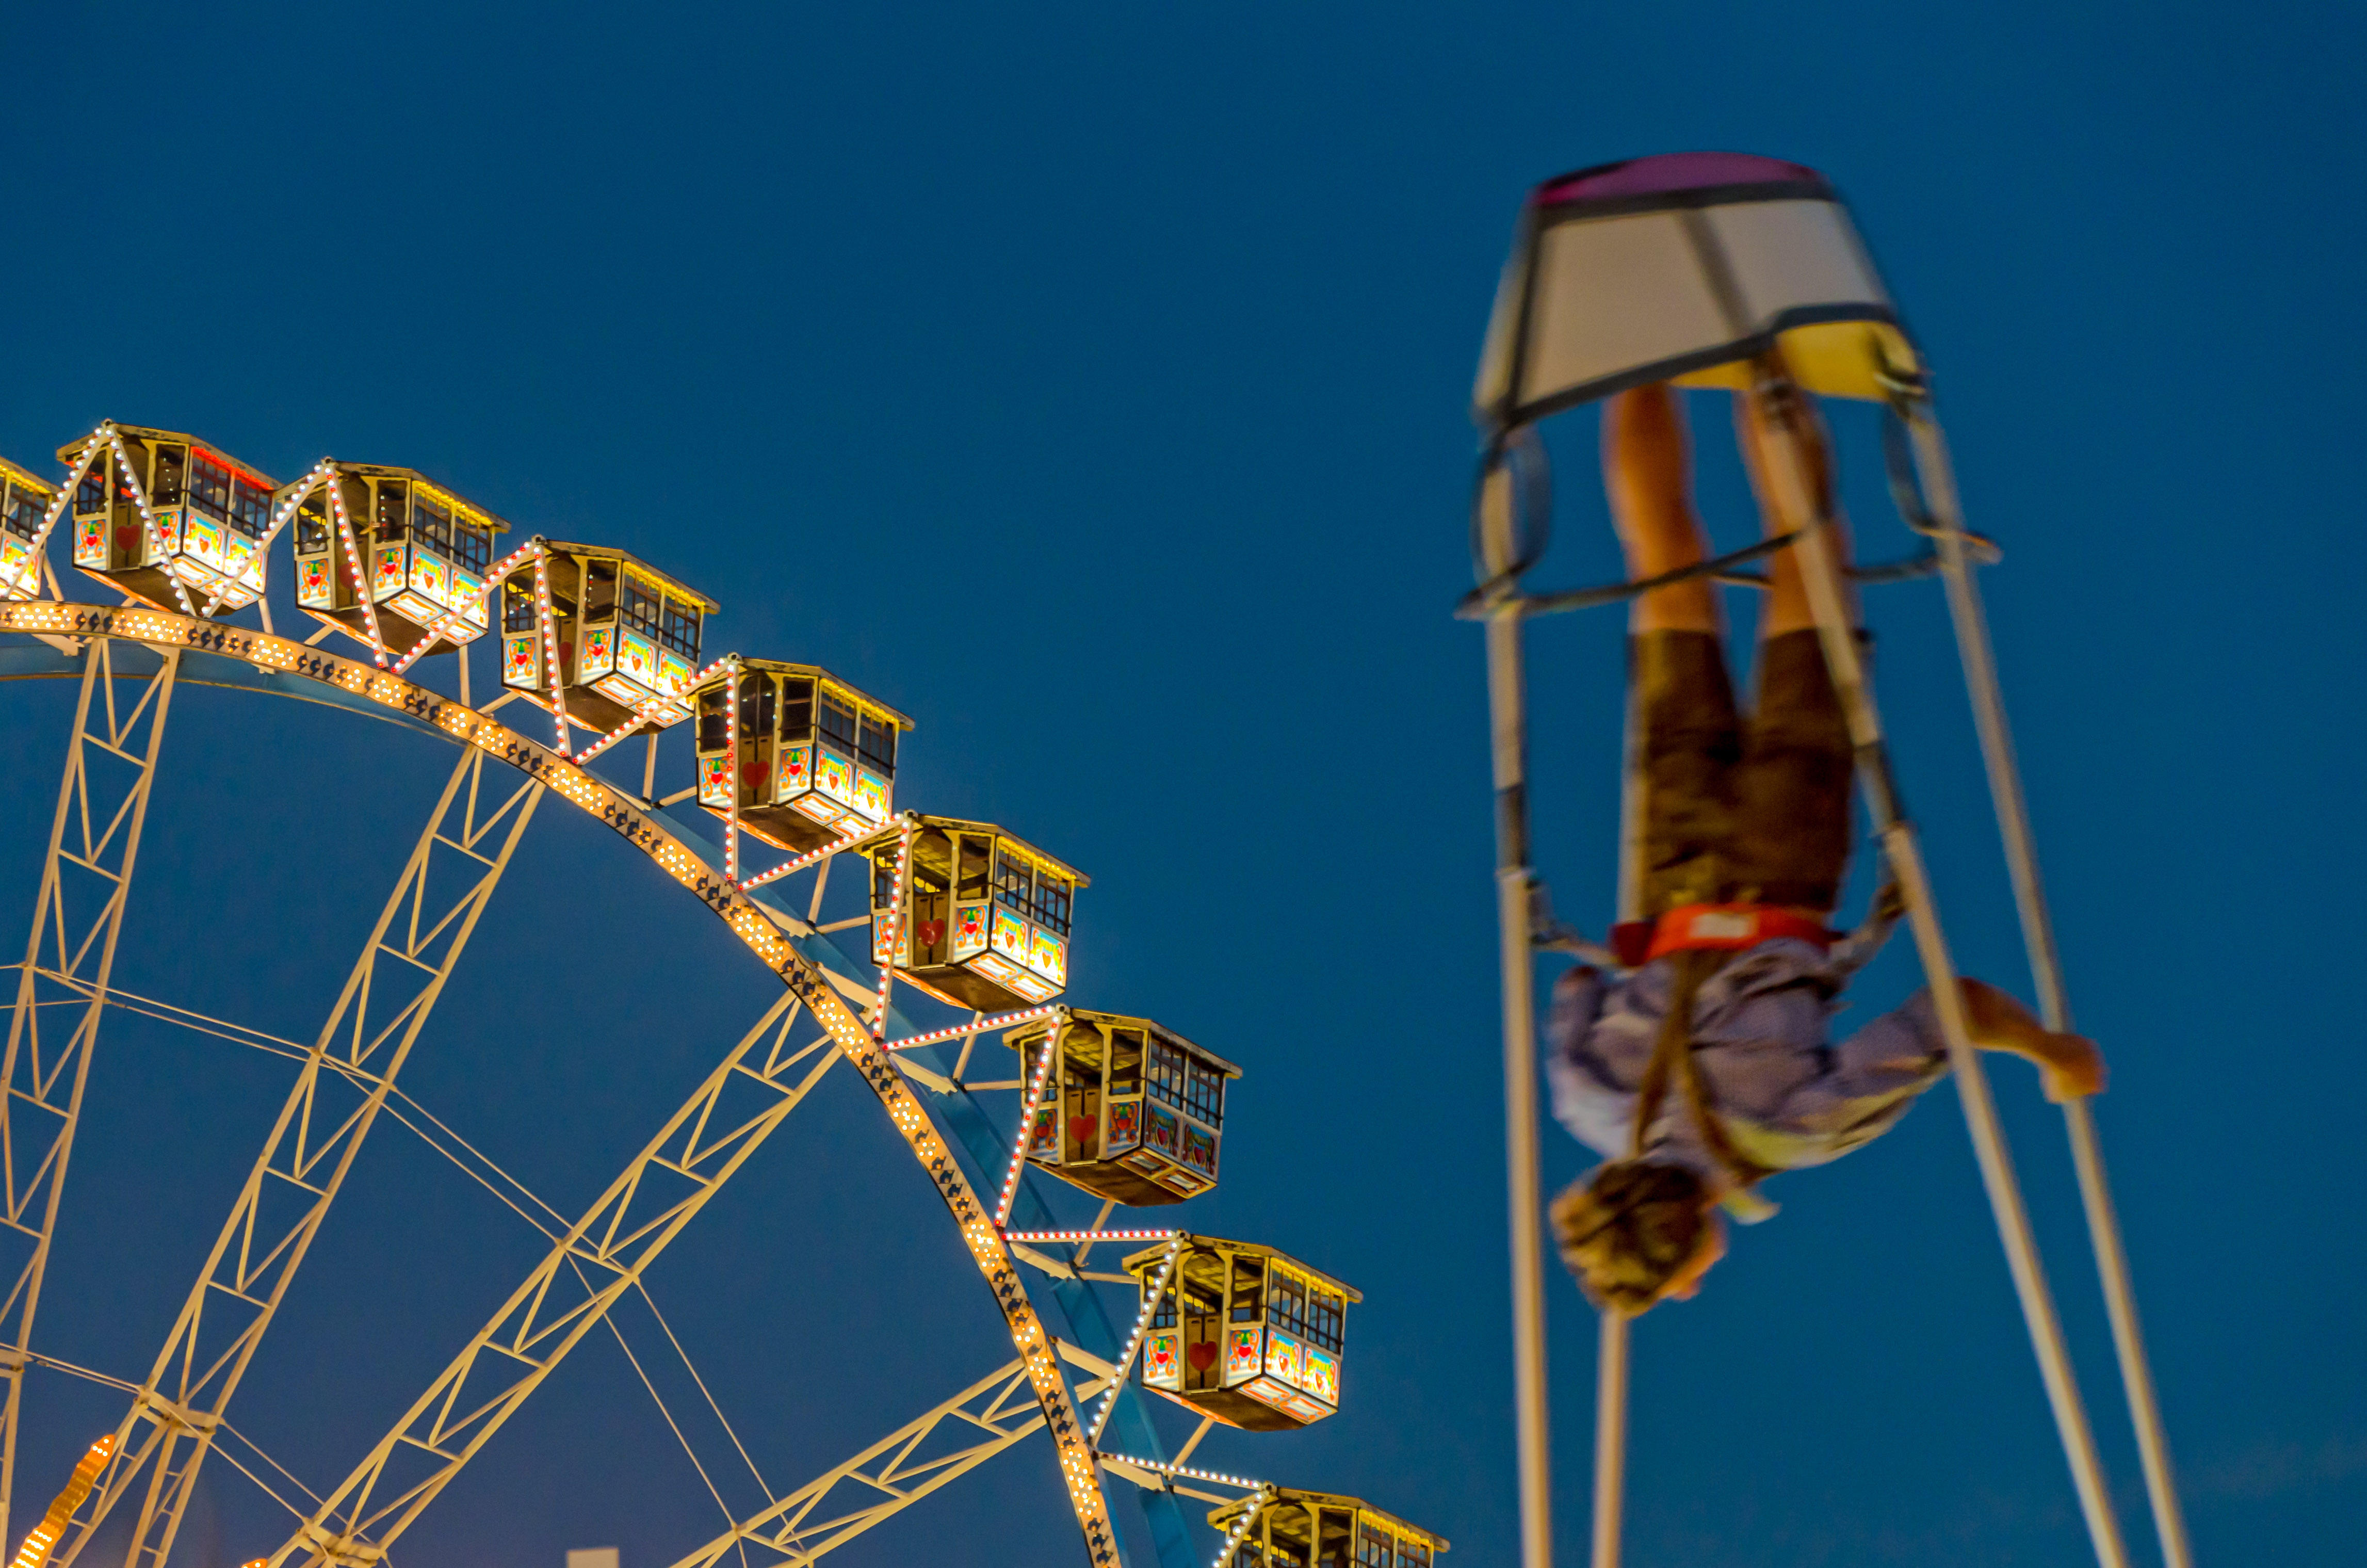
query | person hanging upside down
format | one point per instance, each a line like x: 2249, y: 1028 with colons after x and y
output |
x: 1708, y: 1068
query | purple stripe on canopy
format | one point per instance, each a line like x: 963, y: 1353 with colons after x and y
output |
x: 1667, y: 172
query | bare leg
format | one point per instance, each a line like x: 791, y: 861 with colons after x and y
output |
x: 1646, y: 470
x: 1676, y: 657
x: 1792, y: 830
x: 1762, y: 419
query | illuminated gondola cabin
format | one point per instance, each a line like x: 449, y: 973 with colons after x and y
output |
x: 1137, y: 1112
x: 1322, y: 1530
x: 627, y: 636
x: 25, y: 501
x: 816, y: 758
x: 422, y: 551
x: 987, y: 926
x: 1244, y: 1333
x: 172, y: 508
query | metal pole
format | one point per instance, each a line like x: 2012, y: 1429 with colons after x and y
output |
x: 2046, y: 967
x: 1829, y: 598
x: 1610, y: 1436
x: 1508, y: 731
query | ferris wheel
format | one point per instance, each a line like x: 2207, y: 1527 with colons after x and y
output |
x: 917, y: 949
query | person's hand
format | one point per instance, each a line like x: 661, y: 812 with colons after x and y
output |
x: 2070, y: 1068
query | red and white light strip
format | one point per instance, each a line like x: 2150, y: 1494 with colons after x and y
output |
x: 31, y: 581
x: 1026, y: 1127
x: 900, y: 916
x: 1160, y: 1467
x: 815, y: 858
x: 155, y: 529
x: 551, y: 641
x: 1090, y: 1236
x: 1150, y: 1300
x: 731, y: 769
x: 644, y: 716
x: 983, y: 1025
x: 323, y: 469
x: 1241, y: 1532
x: 354, y: 565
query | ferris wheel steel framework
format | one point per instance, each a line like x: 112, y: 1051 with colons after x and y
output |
x: 362, y: 1046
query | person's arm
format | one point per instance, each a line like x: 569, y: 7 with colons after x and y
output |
x: 2069, y: 1065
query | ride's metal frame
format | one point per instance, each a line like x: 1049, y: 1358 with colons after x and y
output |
x: 1827, y: 578
x: 898, y: 1470
x: 387, y: 999
x: 604, y: 1240
x: 69, y: 955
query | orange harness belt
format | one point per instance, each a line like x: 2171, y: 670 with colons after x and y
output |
x: 1731, y: 927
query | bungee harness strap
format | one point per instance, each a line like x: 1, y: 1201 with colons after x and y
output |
x: 1721, y: 928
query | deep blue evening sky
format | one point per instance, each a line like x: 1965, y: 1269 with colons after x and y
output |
x: 1089, y: 382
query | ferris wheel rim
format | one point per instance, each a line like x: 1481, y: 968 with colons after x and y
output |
x: 352, y: 685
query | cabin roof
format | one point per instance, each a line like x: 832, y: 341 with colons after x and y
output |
x: 26, y: 477
x: 672, y: 582
x: 787, y: 667
x: 501, y: 525
x: 1225, y: 1517
x: 1143, y: 1263
x: 965, y: 825
x: 73, y: 449
x: 1017, y: 1038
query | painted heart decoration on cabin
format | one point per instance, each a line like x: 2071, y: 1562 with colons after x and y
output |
x: 1204, y: 1354
x: 1082, y: 1127
x: 932, y: 933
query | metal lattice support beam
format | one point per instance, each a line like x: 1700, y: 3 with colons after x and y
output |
x: 602, y: 1257
x: 77, y: 922
x: 891, y: 1475
x: 756, y: 930
x: 387, y: 1000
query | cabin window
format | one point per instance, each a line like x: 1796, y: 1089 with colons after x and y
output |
x: 1413, y: 1554
x: 91, y: 494
x: 1249, y: 1289
x: 1326, y: 1317
x: 1165, y: 1073
x: 518, y: 603
x: 796, y: 708
x: 1126, y: 1064
x: 433, y: 518
x: 311, y: 526
x: 837, y: 722
x: 714, y: 721
x: 392, y: 519
x: 969, y: 879
x: 1165, y: 1316
x: 170, y: 462
x: 755, y: 702
x: 1374, y: 1547
x: 883, y: 883
x: 250, y: 506
x: 1014, y: 882
x: 1286, y: 1301
x: 678, y: 627
x: 472, y: 545
x: 1205, y: 1092
x: 599, y: 589
x: 639, y: 607
x: 209, y: 486
x: 1052, y: 897
x: 875, y: 745
x: 24, y: 513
